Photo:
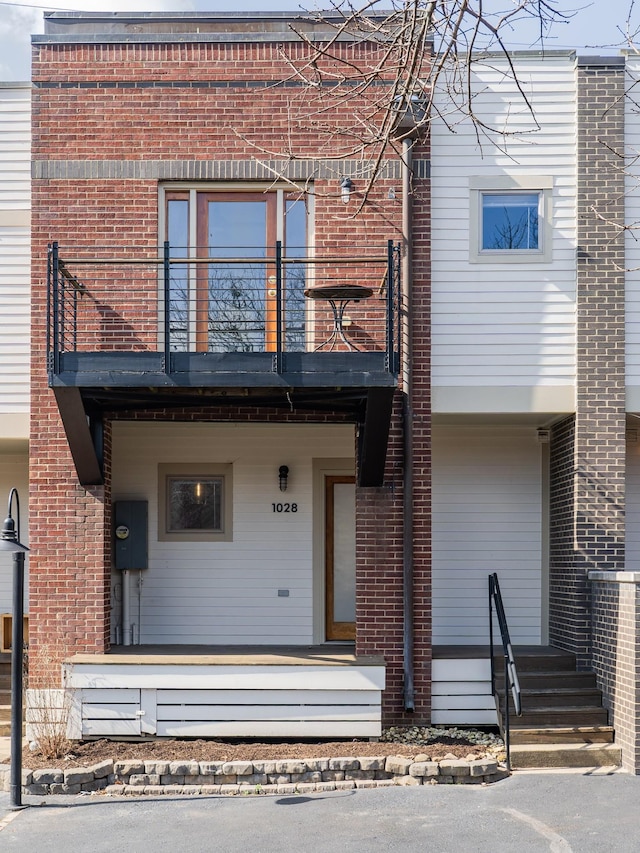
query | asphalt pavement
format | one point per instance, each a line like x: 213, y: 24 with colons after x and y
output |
x: 542, y: 811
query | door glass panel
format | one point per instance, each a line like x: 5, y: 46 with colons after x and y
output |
x: 178, y: 237
x: 344, y: 553
x: 236, y: 292
x: 295, y: 275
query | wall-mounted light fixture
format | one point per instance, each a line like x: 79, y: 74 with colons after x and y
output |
x: 346, y: 188
x: 283, y: 477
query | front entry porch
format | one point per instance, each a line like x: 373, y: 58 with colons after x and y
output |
x: 225, y: 691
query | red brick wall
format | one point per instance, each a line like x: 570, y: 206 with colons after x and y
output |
x: 137, y: 102
x: 380, y: 588
x: 97, y: 103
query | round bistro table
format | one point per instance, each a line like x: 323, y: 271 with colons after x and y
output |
x: 338, y: 296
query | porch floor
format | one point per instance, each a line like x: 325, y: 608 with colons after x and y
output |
x: 192, y: 655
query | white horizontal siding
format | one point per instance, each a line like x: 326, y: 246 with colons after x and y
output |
x: 224, y: 701
x: 15, y: 198
x: 486, y: 518
x: 461, y: 691
x: 271, y: 728
x: 498, y: 324
x: 15, y: 147
x: 227, y: 592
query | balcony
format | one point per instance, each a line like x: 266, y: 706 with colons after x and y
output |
x: 141, y: 329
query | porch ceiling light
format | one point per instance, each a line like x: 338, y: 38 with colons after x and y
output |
x: 283, y: 477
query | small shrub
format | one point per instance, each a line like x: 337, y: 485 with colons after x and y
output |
x: 48, y: 710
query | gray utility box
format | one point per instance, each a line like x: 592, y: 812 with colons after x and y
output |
x: 130, y: 524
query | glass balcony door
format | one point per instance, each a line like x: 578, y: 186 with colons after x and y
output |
x: 230, y: 305
x: 236, y: 301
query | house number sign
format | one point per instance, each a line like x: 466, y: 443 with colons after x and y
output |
x: 284, y: 507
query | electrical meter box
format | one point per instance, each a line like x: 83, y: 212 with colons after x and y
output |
x: 130, y: 524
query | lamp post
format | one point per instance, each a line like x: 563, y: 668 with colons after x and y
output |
x: 10, y: 543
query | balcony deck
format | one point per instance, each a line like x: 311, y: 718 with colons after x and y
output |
x: 147, y: 330
x: 223, y: 370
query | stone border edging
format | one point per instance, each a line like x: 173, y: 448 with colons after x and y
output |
x: 289, y: 776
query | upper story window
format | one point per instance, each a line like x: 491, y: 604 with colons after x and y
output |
x: 510, y: 220
x: 230, y: 303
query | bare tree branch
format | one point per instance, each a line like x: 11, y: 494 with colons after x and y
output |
x: 371, y: 67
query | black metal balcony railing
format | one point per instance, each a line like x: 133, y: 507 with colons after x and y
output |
x: 243, y: 301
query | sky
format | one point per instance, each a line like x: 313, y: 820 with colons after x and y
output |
x: 594, y: 26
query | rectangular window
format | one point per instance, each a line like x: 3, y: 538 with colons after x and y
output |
x: 194, y: 502
x: 510, y: 219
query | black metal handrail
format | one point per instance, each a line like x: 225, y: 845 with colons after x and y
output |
x: 511, y: 682
x: 98, y: 301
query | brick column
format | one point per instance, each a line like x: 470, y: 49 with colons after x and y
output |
x: 568, y: 626
x: 379, y: 613
x: 600, y: 405
x: 596, y: 450
x: 616, y: 656
x: 379, y: 538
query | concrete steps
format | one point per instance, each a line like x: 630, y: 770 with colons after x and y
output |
x: 567, y: 716
x: 5, y: 694
x: 5, y: 720
x: 563, y: 723
x: 561, y: 734
x: 552, y: 680
x: 547, y: 755
x: 535, y: 699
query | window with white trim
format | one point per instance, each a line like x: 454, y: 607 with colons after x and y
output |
x: 510, y: 220
x: 194, y: 503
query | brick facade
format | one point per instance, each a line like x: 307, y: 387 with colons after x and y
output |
x: 110, y: 121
